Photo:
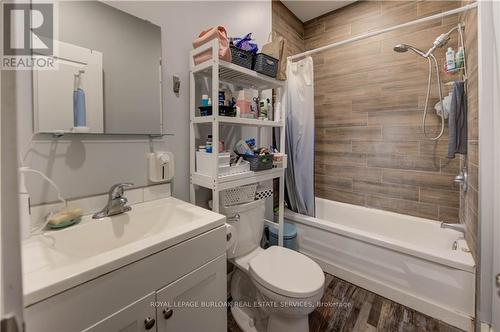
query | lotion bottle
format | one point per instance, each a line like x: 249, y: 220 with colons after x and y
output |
x: 450, y: 59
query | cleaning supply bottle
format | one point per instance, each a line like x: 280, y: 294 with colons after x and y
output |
x: 450, y: 59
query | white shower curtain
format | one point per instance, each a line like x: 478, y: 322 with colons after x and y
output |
x: 299, y: 175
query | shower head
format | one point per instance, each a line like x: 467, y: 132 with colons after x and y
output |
x: 401, y: 48
x: 442, y: 39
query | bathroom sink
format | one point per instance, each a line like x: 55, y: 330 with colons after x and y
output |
x: 99, y: 236
x: 57, y: 260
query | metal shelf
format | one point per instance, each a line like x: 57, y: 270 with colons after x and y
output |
x: 235, y: 180
x: 237, y: 121
x: 238, y: 75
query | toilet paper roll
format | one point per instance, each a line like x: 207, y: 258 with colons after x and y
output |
x: 231, y: 239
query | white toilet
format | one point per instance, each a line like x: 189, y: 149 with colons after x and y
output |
x: 273, y: 290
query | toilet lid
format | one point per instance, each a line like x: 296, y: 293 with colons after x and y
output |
x: 287, y: 272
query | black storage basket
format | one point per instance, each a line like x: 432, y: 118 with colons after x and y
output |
x: 260, y: 163
x: 241, y: 57
x: 266, y: 65
x: 223, y: 110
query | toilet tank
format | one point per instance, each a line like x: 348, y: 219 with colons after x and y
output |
x: 248, y: 220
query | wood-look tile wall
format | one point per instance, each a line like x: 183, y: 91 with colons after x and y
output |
x: 287, y: 25
x: 370, y: 148
x: 469, y: 201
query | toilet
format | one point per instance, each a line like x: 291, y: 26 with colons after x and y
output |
x: 273, y: 289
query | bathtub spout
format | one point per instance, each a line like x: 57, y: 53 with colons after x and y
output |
x: 456, y: 227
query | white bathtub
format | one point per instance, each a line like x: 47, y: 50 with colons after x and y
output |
x: 406, y: 259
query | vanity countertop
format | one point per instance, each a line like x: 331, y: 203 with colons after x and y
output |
x: 58, y: 260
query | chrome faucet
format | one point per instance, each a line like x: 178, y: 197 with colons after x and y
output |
x: 461, y: 179
x: 117, y: 203
x: 456, y: 227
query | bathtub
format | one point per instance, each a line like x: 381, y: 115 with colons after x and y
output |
x: 407, y: 259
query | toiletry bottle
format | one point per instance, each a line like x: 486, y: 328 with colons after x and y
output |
x: 79, y: 107
x: 208, y: 145
x: 222, y: 97
x: 270, y: 110
x: 204, y: 100
x: 459, y: 58
x: 450, y: 59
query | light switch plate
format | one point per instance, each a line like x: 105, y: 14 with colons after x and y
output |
x: 176, y: 84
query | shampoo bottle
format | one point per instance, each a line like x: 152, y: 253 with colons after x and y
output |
x: 450, y: 59
x: 459, y: 58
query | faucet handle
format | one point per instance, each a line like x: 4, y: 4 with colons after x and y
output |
x: 116, y: 190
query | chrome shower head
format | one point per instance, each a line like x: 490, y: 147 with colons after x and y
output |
x: 401, y: 48
x: 442, y: 39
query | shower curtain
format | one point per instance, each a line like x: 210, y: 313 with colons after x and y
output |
x: 299, y: 175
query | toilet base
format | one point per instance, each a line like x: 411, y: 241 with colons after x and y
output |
x: 279, y: 323
x: 245, y: 318
x: 251, y: 317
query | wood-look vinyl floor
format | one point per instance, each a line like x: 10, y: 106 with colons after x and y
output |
x: 349, y: 308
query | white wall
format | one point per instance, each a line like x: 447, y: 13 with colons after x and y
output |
x: 89, y: 165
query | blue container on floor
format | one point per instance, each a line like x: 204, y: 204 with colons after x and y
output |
x: 289, y: 236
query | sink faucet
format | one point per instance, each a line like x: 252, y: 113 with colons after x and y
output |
x: 457, y: 227
x: 117, y: 203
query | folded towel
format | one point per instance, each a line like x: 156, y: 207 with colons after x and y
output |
x: 457, y: 121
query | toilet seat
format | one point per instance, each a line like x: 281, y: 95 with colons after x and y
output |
x: 287, y: 272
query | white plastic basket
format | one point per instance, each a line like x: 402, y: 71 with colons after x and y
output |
x: 238, y: 195
x: 264, y: 190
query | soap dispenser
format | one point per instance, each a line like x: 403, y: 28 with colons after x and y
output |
x: 161, y: 166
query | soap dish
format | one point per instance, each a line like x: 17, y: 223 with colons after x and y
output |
x: 65, y: 224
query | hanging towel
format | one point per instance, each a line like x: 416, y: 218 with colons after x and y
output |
x: 457, y: 121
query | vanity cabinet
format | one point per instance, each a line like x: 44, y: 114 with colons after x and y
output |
x: 192, y: 302
x: 139, y: 316
x: 181, y: 288
x: 188, y: 304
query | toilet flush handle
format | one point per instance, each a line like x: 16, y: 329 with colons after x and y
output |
x: 234, y: 218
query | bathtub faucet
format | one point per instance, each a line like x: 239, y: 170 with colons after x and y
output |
x: 456, y: 227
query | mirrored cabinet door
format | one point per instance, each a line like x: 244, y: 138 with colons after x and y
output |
x: 107, y: 75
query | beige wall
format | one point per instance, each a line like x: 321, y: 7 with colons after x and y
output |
x: 370, y: 148
x: 287, y: 25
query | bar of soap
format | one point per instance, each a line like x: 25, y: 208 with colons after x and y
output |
x: 65, y: 215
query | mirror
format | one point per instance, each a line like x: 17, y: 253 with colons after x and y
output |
x: 107, y: 78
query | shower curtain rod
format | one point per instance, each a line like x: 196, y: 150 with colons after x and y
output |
x: 376, y: 33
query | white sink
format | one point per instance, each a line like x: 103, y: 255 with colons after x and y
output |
x: 58, y: 260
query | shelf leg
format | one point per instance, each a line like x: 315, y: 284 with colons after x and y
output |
x: 281, y: 212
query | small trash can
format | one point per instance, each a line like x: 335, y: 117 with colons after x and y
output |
x: 289, y: 236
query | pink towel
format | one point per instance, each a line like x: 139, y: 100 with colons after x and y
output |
x: 208, y: 35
